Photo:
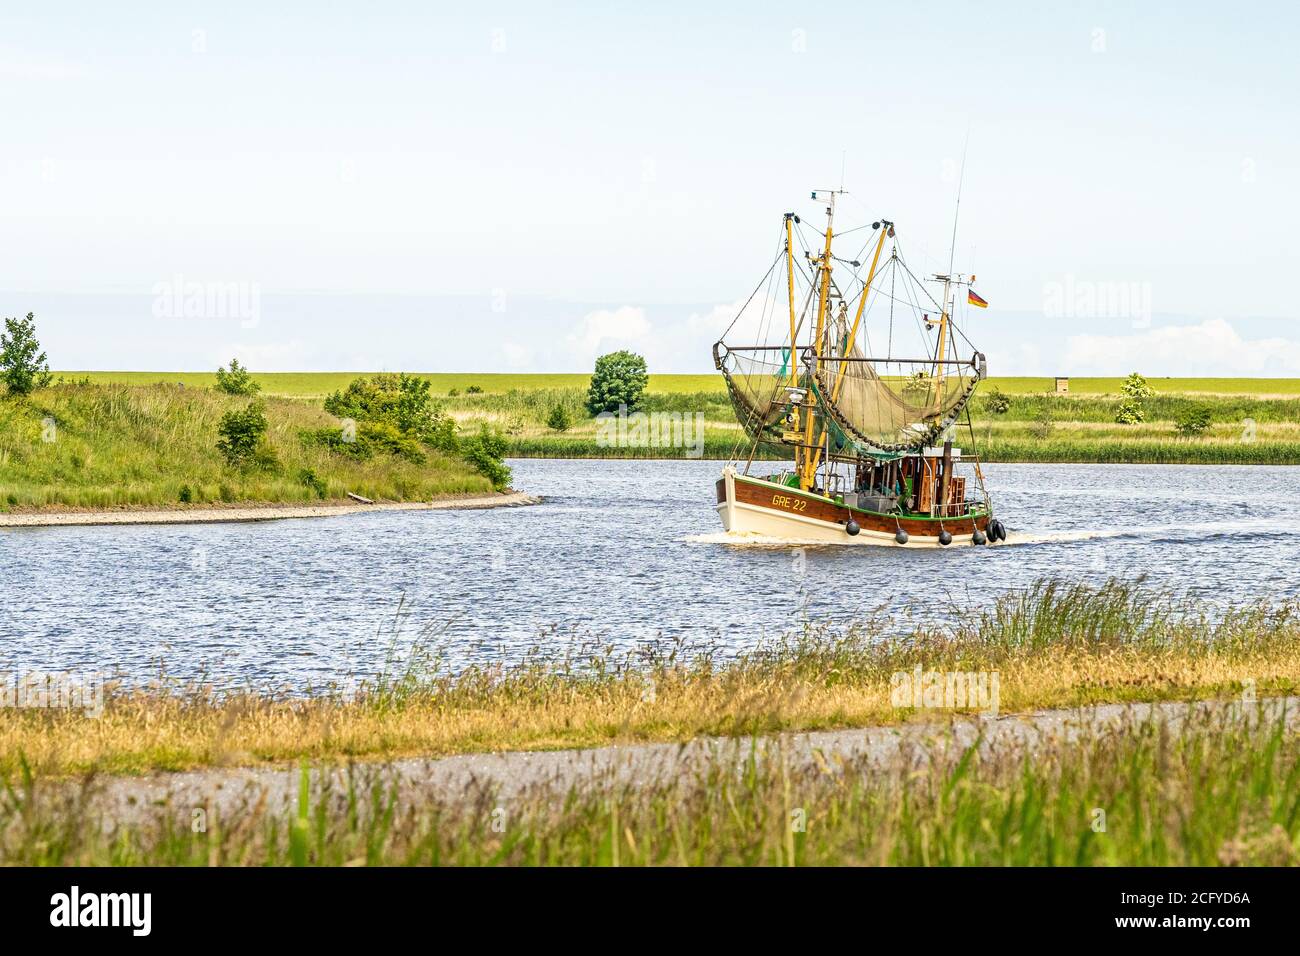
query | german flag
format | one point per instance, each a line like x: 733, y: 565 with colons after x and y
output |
x: 974, y: 298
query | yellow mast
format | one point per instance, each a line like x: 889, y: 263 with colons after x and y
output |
x: 853, y: 334
x: 789, y: 273
x: 794, y: 356
x: 807, y: 473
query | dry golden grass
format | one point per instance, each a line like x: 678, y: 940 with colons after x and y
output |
x: 1053, y: 647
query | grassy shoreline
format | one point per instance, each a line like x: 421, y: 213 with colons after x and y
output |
x: 1219, y: 786
x: 1054, y: 646
x: 110, y: 446
x: 113, y: 445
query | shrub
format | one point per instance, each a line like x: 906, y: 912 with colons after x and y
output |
x: 453, y: 393
x: 474, y: 390
x: 22, y: 363
x: 236, y: 380
x: 559, y: 419
x: 1130, y: 412
x: 916, y: 386
x: 241, y: 434
x: 385, y: 436
x: 400, y: 400
x: 313, y: 481
x: 186, y: 495
x: 997, y: 402
x: 1193, y: 421
x: 484, y: 451
x: 619, y: 378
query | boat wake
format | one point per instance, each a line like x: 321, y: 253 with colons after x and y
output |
x: 752, y: 539
x: 1017, y: 538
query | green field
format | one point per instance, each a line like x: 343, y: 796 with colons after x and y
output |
x: 319, y: 384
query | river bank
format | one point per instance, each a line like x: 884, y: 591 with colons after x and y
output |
x: 211, y: 514
x: 1054, y: 646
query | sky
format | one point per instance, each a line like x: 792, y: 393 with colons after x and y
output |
x: 520, y: 187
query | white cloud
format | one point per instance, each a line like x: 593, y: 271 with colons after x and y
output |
x: 1212, y: 348
x: 607, y: 330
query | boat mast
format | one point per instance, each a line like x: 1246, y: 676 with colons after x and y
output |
x: 853, y: 333
x: 807, y: 472
x: 943, y: 338
x: 789, y: 273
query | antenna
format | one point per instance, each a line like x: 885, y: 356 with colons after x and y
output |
x: 843, y: 155
x: 961, y: 179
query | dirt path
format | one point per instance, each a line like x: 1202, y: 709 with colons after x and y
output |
x: 206, y: 515
x: 421, y: 780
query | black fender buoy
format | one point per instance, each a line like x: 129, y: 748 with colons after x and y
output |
x: 901, y: 537
x: 945, y: 538
x: 997, y: 531
x: 852, y: 528
x: 978, y: 537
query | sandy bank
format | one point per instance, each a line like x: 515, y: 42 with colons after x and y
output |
x: 206, y: 515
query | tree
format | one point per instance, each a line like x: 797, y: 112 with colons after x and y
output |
x: 22, y: 363
x: 1193, y: 421
x: 1136, y: 387
x: 236, y: 380
x: 620, y: 378
x: 559, y: 419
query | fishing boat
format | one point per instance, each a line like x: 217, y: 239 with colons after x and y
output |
x: 857, y: 385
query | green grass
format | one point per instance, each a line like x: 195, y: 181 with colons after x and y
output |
x: 1039, y: 426
x: 320, y: 384
x: 133, y: 446
x: 1206, y: 795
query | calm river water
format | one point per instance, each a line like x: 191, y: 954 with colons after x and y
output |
x: 620, y: 552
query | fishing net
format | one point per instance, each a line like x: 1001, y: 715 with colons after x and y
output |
x: 757, y: 383
x: 907, y: 407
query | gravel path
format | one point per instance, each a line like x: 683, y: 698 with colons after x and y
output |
x: 421, y: 780
x: 208, y: 515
